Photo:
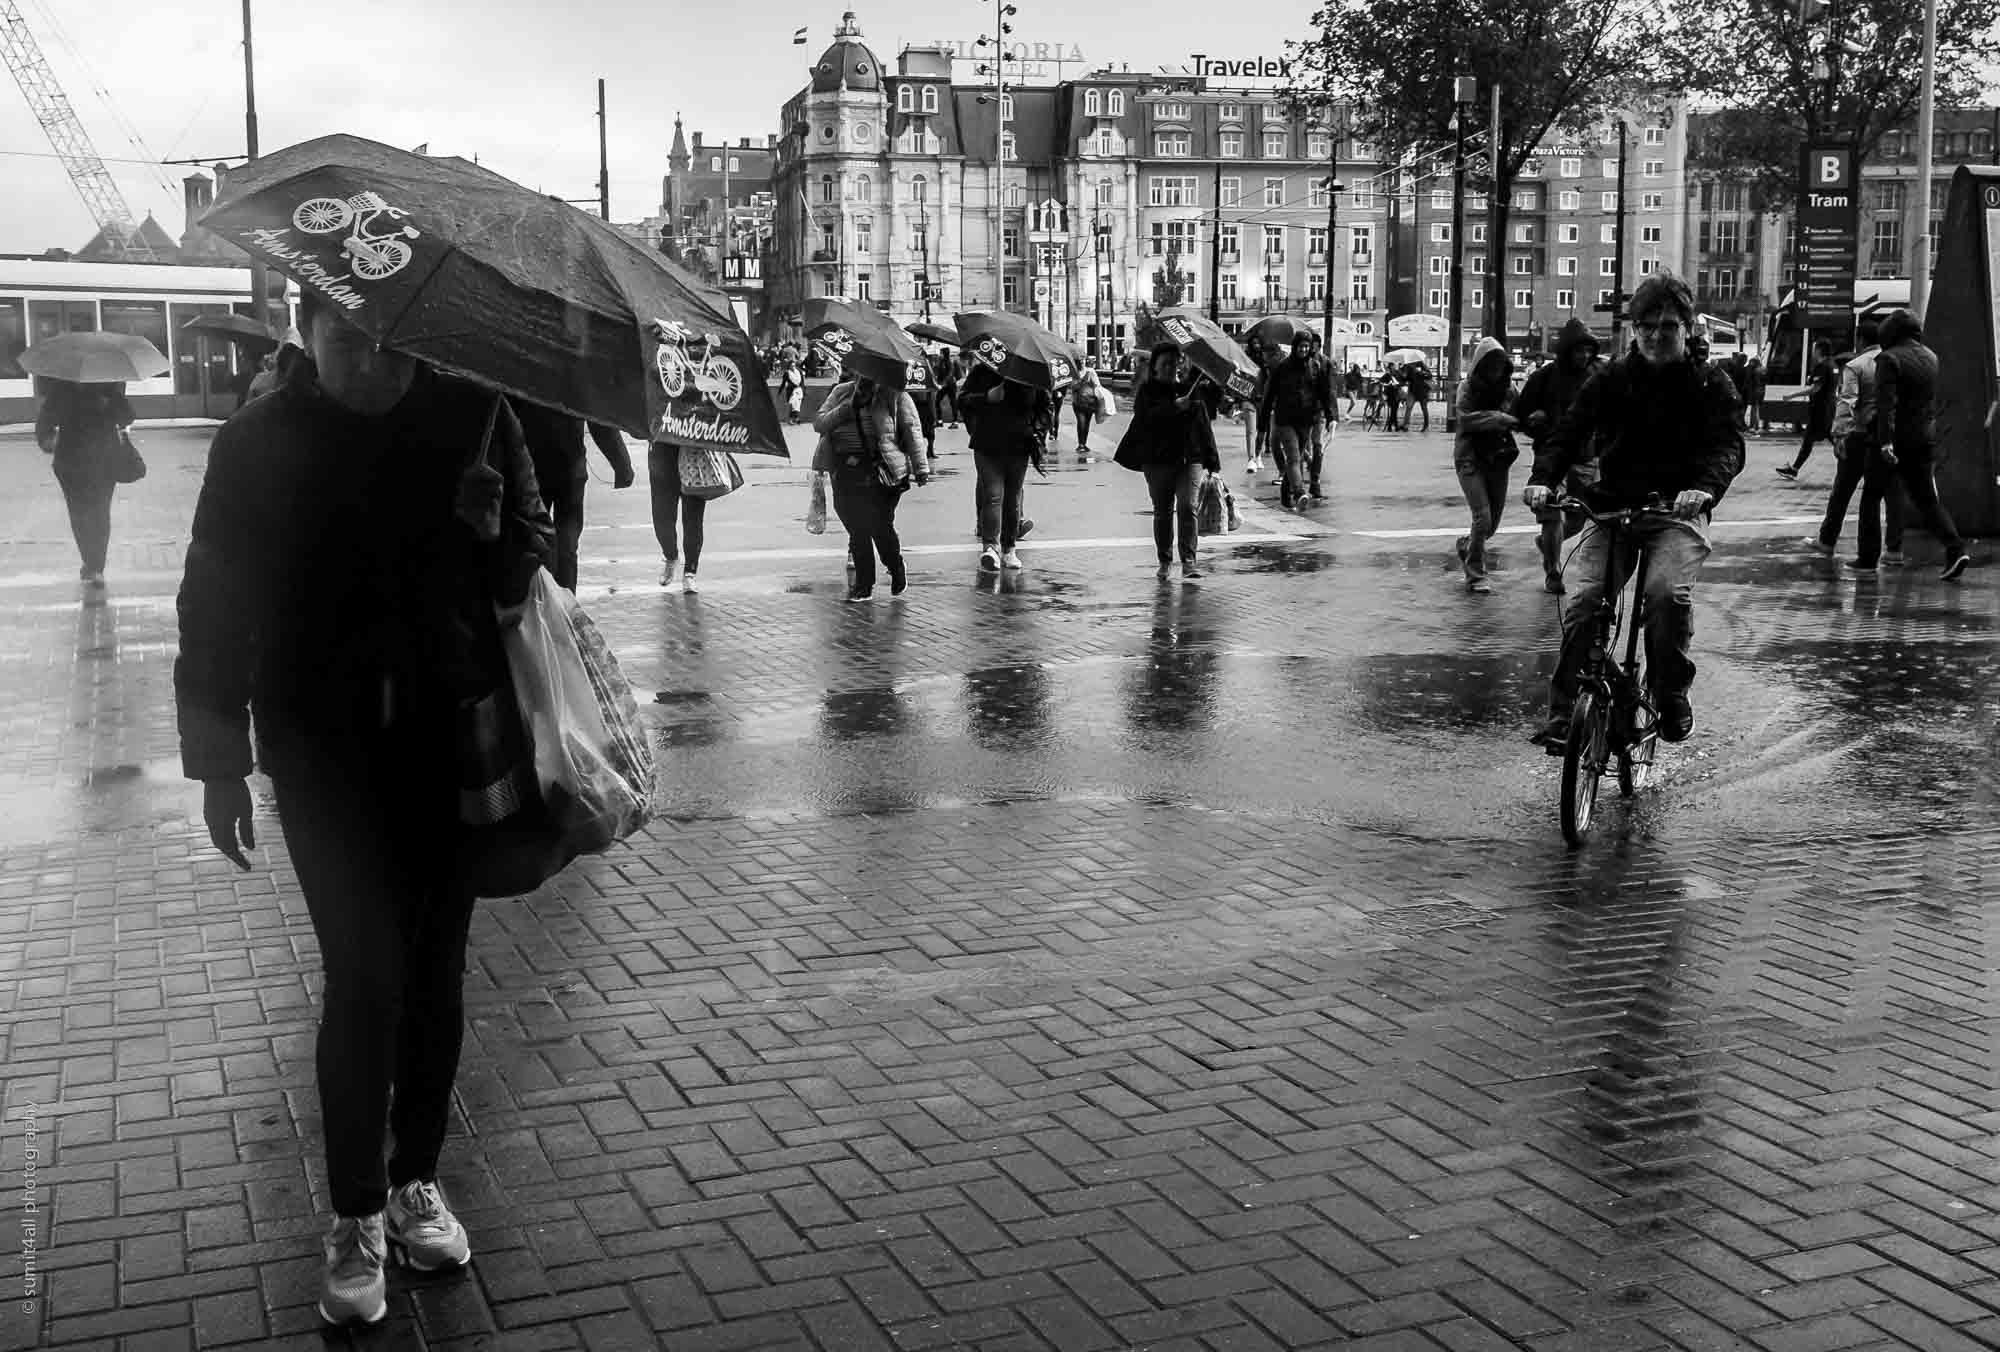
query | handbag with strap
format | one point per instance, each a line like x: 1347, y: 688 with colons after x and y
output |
x: 128, y: 466
x: 885, y: 473
x: 709, y: 473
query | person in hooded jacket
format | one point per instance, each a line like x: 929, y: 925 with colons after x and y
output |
x: 354, y: 532
x: 1905, y: 443
x: 1663, y: 427
x: 873, y: 448
x: 1483, y: 451
x: 1546, y: 396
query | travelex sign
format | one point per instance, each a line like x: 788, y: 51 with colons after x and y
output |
x: 1245, y: 68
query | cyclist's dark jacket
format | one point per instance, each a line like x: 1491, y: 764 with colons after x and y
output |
x: 1657, y: 429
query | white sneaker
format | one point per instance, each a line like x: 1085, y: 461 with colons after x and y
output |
x: 989, y: 560
x: 687, y: 584
x: 423, y: 1229
x: 670, y: 572
x: 1010, y: 560
x: 353, y: 1289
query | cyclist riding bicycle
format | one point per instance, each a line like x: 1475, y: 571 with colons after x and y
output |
x: 1663, y: 427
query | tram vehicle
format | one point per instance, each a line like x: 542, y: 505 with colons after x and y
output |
x: 40, y: 298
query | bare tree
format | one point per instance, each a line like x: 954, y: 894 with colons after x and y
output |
x: 1558, y: 66
x: 1843, y: 73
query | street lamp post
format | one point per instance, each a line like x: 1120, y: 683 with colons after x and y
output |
x: 1465, y: 90
x: 1333, y: 191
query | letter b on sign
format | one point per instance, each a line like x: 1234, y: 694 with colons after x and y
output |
x: 1832, y: 170
x: 1829, y: 167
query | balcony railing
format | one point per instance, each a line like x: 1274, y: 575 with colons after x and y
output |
x: 823, y: 256
x: 1231, y: 256
x: 1316, y: 259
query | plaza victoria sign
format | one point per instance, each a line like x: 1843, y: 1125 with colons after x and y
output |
x: 1025, y: 60
x: 1829, y: 230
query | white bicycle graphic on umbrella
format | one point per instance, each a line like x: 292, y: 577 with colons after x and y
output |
x: 374, y: 256
x: 714, y: 376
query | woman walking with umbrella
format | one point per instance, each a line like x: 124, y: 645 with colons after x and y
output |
x: 82, y: 424
x: 872, y: 446
x: 1172, y: 442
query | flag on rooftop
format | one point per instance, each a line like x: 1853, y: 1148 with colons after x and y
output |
x: 798, y: 37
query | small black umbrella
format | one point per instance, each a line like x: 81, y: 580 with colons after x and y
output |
x: 482, y: 277
x: 860, y: 338
x: 1018, y: 348
x: 1211, y: 351
x: 933, y: 333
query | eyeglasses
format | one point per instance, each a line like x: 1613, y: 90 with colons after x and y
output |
x: 1670, y: 327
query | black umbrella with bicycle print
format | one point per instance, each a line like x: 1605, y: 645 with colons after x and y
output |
x: 479, y: 276
x: 860, y: 338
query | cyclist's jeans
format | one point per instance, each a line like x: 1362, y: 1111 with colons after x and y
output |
x: 1677, y: 548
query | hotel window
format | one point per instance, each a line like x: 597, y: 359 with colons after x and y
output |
x: 1272, y: 112
x: 930, y: 98
x: 1104, y: 192
x: 1524, y: 265
x: 1232, y: 145
x: 1572, y: 168
x: 1652, y: 201
x: 829, y: 241
x: 1886, y: 244
x: 1316, y: 241
x: 1232, y: 192
x: 864, y: 237
x: 1360, y: 240
x: 1647, y: 265
x: 1475, y: 201
x: 1439, y: 264
x: 1524, y: 300
x: 1653, y: 168
x: 1232, y: 241
x: 1648, y: 234
x: 1528, y: 199
x: 1274, y: 241
x: 1361, y: 197
x: 1571, y: 234
x: 1565, y: 300
x: 1569, y: 200
x: 1476, y: 298
x: 1357, y: 287
x: 919, y: 188
x: 1440, y: 199
x: 1007, y: 145
x: 1173, y: 145
x: 1318, y: 193
x: 1607, y: 267
x: 1108, y: 142
x: 1434, y: 299
x: 1093, y: 103
x: 1728, y: 236
x: 1173, y: 236
x: 1656, y: 136
x: 1607, y: 234
x: 1319, y: 145
x: 1316, y: 286
x: 906, y: 100
x: 1226, y: 288
x: 1010, y: 290
x: 1006, y: 107
x: 1274, y: 192
x: 1440, y: 232
x: 1230, y: 112
x: 827, y: 191
x: 1010, y: 241
x: 1610, y: 168
x: 1565, y: 267
x: 1477, y: 263
x: 1607, y: 201
x: 864, y: 188
x: 1274, y: 145
x: 864, y: 286
x: 1114, y: 103
x: 1174, y: 112
x: 1524, y: 234
x: 1170, y: 191
x: 1533, y: 168
x: 1604, y: 297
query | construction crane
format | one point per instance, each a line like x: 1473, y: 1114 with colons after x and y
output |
x: 66, y: 133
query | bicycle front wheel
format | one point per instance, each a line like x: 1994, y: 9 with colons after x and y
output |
x: 1635, y: 764
x: 1583, y: 765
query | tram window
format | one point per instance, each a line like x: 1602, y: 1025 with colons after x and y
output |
x: 141, y: 318
x: 47, y: 318
x: 13, y: 338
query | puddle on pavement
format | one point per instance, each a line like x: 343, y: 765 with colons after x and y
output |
x: 1279, y: 559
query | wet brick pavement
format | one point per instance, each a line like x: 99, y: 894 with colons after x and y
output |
x: 1071, y: 962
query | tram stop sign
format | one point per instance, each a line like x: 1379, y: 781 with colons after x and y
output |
x: 1829, y: 229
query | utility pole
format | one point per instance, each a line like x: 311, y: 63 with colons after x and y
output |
x: 1215, y: 252
x: 603, y: 160
x: 1097, y: 257
x: 1618, y: 292
x: 1465, y: 91
x: 1920, y: 273
x: 924, y: 245
x: 1333, y: 190
x: 259, y: 276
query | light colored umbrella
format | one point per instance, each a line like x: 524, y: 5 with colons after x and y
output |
x: 95, y: 358
x: 1403, y: 356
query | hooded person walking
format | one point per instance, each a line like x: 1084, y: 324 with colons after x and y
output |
x: 873, y: 447
x: 1543, y: 400
x: 1905, y: 447
x: 1483, y: 451
x: 1171, y: 440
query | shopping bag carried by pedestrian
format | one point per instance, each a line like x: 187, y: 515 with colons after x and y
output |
x: 553, y: 761
x: 709, y: 473
x: 1234, y: 517
x: 816, y: 506
x: 1214, y: 515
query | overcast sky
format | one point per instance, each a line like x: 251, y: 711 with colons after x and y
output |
x: 512, y: 81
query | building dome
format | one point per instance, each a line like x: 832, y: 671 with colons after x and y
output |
x: 847, y: 63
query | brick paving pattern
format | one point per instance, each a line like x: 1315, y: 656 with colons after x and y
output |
x: 1073, y: 964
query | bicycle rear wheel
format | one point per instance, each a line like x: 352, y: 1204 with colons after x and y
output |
x: 1583, y: 765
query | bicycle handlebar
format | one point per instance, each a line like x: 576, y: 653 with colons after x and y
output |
x: 1653, y: 506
